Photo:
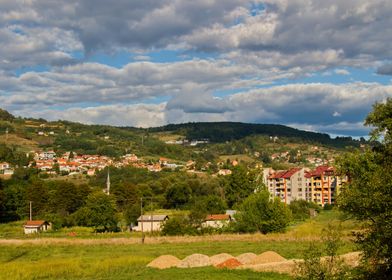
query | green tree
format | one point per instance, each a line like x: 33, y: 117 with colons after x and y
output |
x: 178, y: 195
x: 99, y: 212
x: 260, y: 213
x: 241, y: 184
x: 301, y: 209
x: 368, y: 193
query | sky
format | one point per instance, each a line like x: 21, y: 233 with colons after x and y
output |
x: 311, y: 64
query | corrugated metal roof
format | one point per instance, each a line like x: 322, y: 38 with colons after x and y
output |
x: 153, y: 218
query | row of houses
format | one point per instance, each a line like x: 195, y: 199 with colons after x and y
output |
x: 146, y: 223
x: 321, y: 185
x: 149, y: 223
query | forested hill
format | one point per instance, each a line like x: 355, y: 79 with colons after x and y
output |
x: 226, y: 131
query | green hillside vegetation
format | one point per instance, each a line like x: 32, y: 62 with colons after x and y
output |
x: 228, y: 131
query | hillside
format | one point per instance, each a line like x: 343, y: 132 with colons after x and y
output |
x: 226, y: 140
x: 219, y: 132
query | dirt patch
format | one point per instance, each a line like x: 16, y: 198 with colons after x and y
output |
x: 229, y: 263
x: 164, y: 261
x: 195, y: 260
x: 268, y: 257
x: 220, y: 258
x: 246, y: 258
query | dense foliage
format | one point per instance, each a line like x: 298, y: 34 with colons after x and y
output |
x: 227, y: 131
x: 259, y: 213
x: 368, y: 195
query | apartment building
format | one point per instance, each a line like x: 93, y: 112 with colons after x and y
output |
x: 320, y: 185
x: 288, y: 185
x: 323, y: 185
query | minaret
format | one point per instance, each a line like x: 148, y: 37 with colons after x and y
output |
x: 108, y: 184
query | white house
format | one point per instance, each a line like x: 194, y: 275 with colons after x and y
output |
x: 36, y: 226
x: 150, y: 223
x: 4, y: 165
x: 217, y: 220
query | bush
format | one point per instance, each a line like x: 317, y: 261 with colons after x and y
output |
x: 332, y: 267
x: 178, y: 226
x: 300, y: 209
x: 328, y: 206
x: 259, y: 213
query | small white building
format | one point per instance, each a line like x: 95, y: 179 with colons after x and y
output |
x: 150, y: 223
x: 217, y: 220
x: 36, y: 226
x: 4, y: 165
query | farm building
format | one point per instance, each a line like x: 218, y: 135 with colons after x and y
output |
x: 36, y: 226
x: 149, y: 223
x: 217, y: 220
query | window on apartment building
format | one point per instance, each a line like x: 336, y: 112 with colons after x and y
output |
x: 300, y: 189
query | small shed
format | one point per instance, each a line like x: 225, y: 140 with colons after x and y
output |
x: 150, y: 222
x: 217, y: 220
x: 36, y: 226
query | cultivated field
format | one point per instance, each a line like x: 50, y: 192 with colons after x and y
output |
x: 122, y: 256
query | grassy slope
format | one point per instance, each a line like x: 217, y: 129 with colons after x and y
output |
x: 95, y: 259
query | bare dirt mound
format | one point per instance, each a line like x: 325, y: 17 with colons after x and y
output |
x: 246, y: 258
x: 287, y: 267
x: 195, y: 260
x: 268, y: 257
x: 229, y: 263
x: 220, y: 258
x: 164, y: 261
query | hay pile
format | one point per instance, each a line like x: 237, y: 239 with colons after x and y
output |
x: 220, y: 258
x: 164, y: 261
x: 229, y: 263
x: 246, y: 258
x: 280, y: 267
x: 352, y: 259
x: 267, y: 257
x: 195, y: 260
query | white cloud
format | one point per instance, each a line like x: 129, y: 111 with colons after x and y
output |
x: 342, y: 72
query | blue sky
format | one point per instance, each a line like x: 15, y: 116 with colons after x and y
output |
x: 314, y: 65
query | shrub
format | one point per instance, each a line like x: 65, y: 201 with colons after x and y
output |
x: 259, y: 213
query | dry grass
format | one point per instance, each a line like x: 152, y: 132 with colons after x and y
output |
x: 25, y: 144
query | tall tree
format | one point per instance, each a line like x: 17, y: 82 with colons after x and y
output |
x: 368, y: 194
x: 260, y: 213
x: 241, y: 184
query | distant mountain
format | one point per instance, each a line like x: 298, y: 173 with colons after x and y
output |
x: 226, y: 131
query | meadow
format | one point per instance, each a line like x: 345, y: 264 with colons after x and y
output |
x: 122, y: 256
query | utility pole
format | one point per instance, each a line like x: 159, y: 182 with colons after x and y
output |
x: 141, y: 217
x: 31, y: 212
x: 152, y: 216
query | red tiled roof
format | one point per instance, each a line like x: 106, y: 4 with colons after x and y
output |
x: 35, y: 223
x: 320, y: 170
x: 218, y: 217
x: 285, y: 174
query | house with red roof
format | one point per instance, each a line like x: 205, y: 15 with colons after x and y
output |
x: 36, y: 226
x: 217, y: 220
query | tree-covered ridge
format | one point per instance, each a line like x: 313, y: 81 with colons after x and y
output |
x: 5, y: 115
x: 228, y: 131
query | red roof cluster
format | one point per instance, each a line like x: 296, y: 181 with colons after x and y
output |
x: 319, y: 171
x: 285, y: 174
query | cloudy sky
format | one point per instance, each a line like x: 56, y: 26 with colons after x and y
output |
x: 314, y: 65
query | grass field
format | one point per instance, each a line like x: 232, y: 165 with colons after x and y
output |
x: 122, y: 256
